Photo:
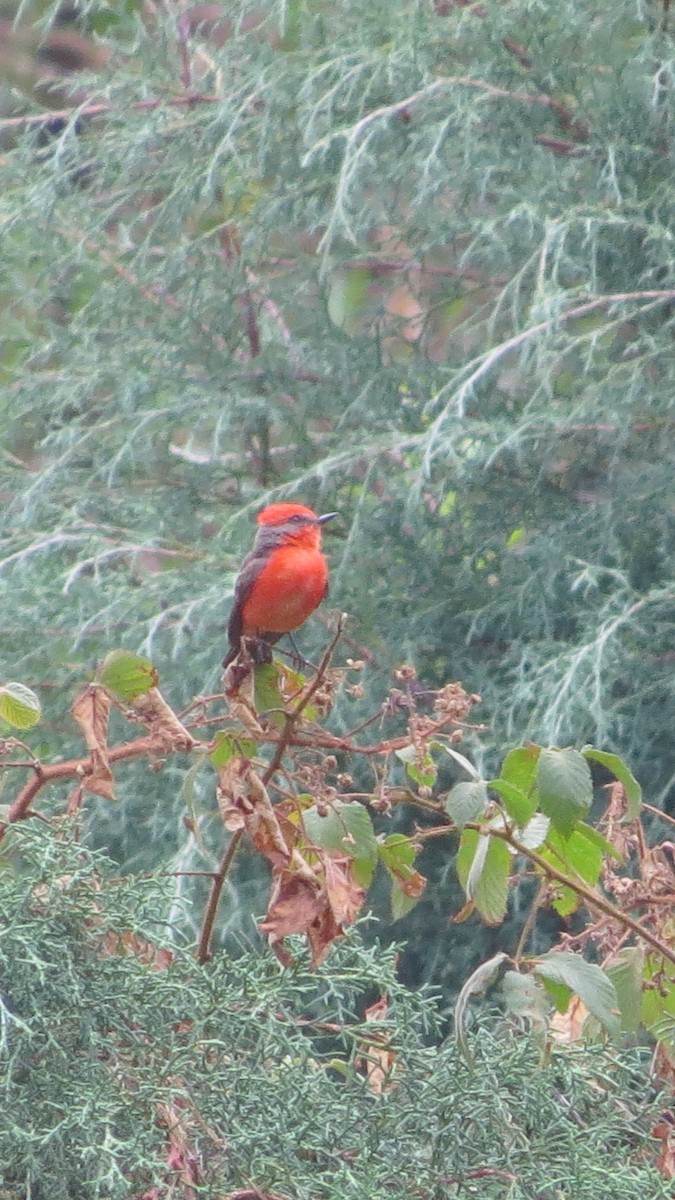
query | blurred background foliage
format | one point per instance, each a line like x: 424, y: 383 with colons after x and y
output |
x: 412, y: 261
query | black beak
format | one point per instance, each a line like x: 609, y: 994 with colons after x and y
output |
x: 326, y: 517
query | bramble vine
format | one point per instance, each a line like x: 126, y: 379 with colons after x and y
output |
x: 286, y: 782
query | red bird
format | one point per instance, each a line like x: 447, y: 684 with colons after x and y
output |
x: 283, y: 578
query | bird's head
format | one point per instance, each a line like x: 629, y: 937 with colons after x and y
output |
x: 295, y: 523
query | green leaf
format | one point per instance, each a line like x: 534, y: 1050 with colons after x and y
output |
x: 401, y: 903
x: 347, y: 829
x: 588, y: 981
x: 565, y: 787
x: 398, y: 852
x: 19, y: 706
x: 227, y: 744
x: 560, y: 994
x: 576, y: 852
x: 484, y: 866
x: 581, y: 853
x: 127, y: 675
x: 348, y: 296
x: 658, y: 1003
x: 423, y: 773
x: 519, y: 805
x: 520, y: 767
x: 625, y: 776
x: 466, y: 801
x: 267, y: 693
x: 626, y: 975
x: 515, y: 538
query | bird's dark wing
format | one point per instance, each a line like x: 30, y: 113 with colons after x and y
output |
x: 250, y: 570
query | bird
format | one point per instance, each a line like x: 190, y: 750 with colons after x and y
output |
x: 282, y: 579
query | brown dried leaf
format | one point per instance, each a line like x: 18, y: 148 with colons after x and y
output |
x: 344, y: 895
x: 162, y: 722
x: 91, y: 710
x: 244, y: 802
x: 378, y: 1059
x: 568, y: 1027
x: 157, y: 958
x: 664, y: 1130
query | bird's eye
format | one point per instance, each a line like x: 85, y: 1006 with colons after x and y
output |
x: 296, y: 518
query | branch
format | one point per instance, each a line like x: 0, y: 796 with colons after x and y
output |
x: 74, y: 768
x: 206, y: 931
x: 92, y: 111
x: 593, y: 899
x: 292, y: 718
x: 487, y: 361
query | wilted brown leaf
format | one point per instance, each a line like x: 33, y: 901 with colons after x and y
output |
x: 316, y: 900
x: 126, y: 942
x: 91, y: 710
x: 244, y: 801
x: 664, y: 1130
x: 377, y: 1059
x: 162, y: 722
x: 568, y: 1026
x: 345, y: 896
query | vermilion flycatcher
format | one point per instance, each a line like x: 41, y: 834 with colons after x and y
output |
x: 282, y: 580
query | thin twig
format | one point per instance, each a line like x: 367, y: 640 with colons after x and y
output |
x: 74, y: 768
x: 292, y: 718
x: 592, y: 898
x: 206, y: 932
x: 658, y: 812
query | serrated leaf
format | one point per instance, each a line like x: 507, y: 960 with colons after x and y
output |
x: 519, y: 805
x: 476, y: 985
x: 560, y: 994
x: 484, y: 866
x: 127, y: 675
x: 658, y: 1003
x: 466, y: 801
x: 624, y: 775
x: 578, y: 853
x: 565, y: 787
x: 19, y: 706
x: 227, y: 744
x: 347, y: 829
x: 520, y: 768
x: 588, y: 981
x: 591, y: 835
